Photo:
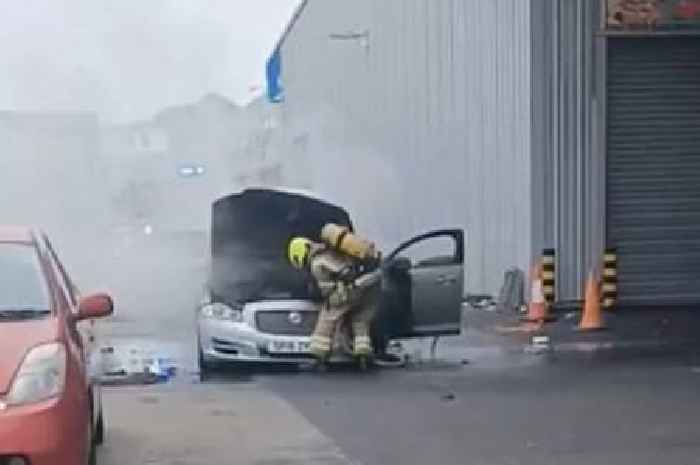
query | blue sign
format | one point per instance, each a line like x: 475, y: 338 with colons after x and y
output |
x: 275, y: 92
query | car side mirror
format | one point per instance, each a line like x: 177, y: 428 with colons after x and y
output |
x: 95, y: 306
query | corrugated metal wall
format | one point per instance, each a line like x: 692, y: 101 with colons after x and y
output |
x: 654, y: 168
x: 568, y: 147
x: 416, y: 114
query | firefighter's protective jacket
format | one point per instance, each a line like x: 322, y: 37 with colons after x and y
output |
x: 338, y: 278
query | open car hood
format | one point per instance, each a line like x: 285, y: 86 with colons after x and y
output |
x: 249, y: 237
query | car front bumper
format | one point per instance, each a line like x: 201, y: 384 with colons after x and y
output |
x: 46, y: 433
x: 224, y: 340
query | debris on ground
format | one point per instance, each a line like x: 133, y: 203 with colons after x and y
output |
x: 538, y: 345
x: 131, y: 364
x: 395, y: 356
x: 481, y: 302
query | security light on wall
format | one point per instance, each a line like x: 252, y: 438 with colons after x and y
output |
x: 361, y: 37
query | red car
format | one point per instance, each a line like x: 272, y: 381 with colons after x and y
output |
x: 50, y: 408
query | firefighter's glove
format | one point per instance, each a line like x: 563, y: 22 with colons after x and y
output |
x: 347, y: 274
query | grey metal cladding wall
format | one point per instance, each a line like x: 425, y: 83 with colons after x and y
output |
x: 568, y: 167
x: 441, y: 92
x: 654, y: 168
x: 543, y: 79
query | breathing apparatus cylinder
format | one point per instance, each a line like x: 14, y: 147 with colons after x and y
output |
x: 344, y: 241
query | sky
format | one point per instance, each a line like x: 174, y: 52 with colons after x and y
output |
x: 127, y: 59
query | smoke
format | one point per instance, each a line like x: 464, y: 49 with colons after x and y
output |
x: 127, y: 59
x: 339, y: 169
x: 82, y: 83
x: 79, y: 79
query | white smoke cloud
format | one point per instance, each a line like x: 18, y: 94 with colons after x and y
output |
x: 130, y: 58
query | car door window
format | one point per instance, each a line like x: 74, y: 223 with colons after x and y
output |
x: 436, y: 248
x: 439, y: 250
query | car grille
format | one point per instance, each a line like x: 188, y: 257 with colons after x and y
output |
x: 278, y: 322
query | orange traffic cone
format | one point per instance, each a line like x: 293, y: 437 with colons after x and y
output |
x: 537, y: 311
x: 592, y: 318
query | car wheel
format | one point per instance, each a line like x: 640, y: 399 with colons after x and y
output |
x: 92, y: 460
x: 99, y: 436
x: 91, y: 447
x: 206, y: 369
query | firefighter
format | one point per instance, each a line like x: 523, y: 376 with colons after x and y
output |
x: 347, y: 288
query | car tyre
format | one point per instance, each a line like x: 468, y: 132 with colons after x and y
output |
x: 99, y: 436
x: 92, y: 448
x: 92, y: 460
x: 206, y: 369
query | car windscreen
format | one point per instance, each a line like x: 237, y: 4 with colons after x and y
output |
x: 23, y: 285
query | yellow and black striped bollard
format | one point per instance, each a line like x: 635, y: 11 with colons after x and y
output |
x: 548, y: 276
x: 609, y: 291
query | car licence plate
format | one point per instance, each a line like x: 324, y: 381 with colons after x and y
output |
x: 288, y: 347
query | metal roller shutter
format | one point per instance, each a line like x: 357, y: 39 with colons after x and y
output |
x: 653, y: 166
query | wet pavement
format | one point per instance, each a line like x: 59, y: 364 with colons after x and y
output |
x: 210, y: 424
x: 627, y: 412
x: 478, y: 405
x: 482, y: 399
x: 512, y: 410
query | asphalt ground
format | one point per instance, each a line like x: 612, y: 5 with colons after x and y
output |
x: 506, y: 409
x: 483, y: 399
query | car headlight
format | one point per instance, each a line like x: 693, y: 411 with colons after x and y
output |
x: 219, y: 311
x: 41, y: 376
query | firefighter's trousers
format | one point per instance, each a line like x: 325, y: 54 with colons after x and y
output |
x: 361, y: 312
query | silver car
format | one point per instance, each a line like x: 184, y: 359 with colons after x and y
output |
x: 256, y: 310
x: 262, y: 331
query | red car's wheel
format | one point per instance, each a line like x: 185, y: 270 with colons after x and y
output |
x: 99, y: 437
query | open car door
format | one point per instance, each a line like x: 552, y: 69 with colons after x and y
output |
x: 423, y: 286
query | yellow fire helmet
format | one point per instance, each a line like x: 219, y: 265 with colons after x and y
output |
x: 299, y: 250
